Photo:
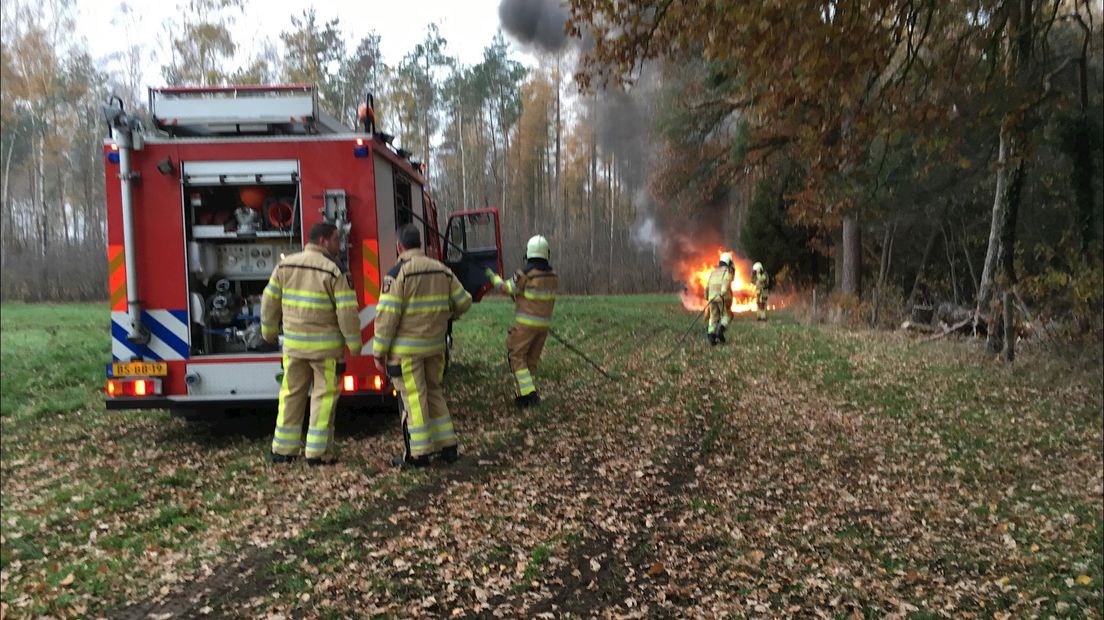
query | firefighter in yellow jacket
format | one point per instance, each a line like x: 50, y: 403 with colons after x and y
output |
x: 718, y: 296
x: 418, y: 299
x: 534, y: 291
x: 762, y: 283
x: 313, y: 299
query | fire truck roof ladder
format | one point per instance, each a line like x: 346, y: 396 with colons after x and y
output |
x: 240, y: 110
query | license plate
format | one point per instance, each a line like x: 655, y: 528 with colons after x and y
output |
x: 139, y: 369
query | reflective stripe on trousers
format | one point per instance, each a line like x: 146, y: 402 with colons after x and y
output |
x: 302, y: 378
x: 524, y: 382
x: 427, y: 425
x: 524, y: 345
x: 719, y: 314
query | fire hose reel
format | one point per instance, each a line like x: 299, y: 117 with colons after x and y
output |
x: 279, y: 212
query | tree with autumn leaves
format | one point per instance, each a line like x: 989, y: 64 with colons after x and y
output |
x: 857, y: 92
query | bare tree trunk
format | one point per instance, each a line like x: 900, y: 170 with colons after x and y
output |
x: 40, y: 197
x: 852, y: 255
x: 969, y: 264
x: 883, y: 270
x: 1009, y: 329
x: 609, y: 206
x: 1010, y: 172
x: 1082, y: 169
x: 558, y: 201
x: 1002, y: 234
x: 949, y: 249
x: 460, y: 139
x: 919, y: 279
x: 6, y: 210
x: 591, y: 201
x: 6, y: 183
x: 505, y: 155
x: 993, y: 253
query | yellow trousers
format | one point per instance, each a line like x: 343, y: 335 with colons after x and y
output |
x: 427, y: 426
x: 303, y: 378
x: 720, y: 313
x: 524, y: 344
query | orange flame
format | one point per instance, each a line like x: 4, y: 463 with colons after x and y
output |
x: 695, y: 273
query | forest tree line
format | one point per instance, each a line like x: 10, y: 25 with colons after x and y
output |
x: 495, y: 133
x: 896, y: 152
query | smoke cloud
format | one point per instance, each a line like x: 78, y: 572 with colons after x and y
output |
x: 624, y: 119
x: 538, y: 23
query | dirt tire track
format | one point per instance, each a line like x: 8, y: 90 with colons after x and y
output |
x: 575, y: 596
x: 244, y: 579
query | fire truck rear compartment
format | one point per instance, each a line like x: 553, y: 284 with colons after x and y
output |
x: 236, y: 234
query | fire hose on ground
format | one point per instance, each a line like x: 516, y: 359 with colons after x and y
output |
x: 691, y: 327
x: 576, y: 351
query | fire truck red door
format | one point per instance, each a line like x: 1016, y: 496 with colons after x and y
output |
x: 473, y: 243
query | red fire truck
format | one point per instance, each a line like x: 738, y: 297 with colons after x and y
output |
x: 202, y: 206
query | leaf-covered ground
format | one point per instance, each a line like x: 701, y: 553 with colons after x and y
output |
x: 796, y: 471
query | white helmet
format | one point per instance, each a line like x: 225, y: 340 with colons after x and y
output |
x: 726, y: 258
x: 538, y: 248
x: 757, y: 268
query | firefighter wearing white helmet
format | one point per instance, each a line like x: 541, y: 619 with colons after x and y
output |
x: 762, y: 283
x: 533, y: 288
x: 718, y: 296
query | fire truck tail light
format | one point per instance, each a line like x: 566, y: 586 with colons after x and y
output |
x: 348, y: 383
x: 132, y: 387
x: 378, y: 383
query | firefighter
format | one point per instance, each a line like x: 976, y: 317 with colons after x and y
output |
x: 762, y: 282
x: 419, y: 297
x: 314, y: 301
x: 718, y: 296
x: 534, y: 291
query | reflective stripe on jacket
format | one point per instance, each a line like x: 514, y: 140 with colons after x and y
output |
x: 316, y: 304
x: 719, y: 285
x: 419, y: 297
x: 534, y: 292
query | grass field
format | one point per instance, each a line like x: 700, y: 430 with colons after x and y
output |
x: 796, y: 471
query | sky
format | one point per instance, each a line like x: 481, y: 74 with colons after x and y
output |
x: 467, y: 25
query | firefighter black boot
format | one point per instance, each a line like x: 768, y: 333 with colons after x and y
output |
x: 450, y: 454
x: 282, y: 458
x: 712, y: 339
x: 720, y: 334
x: 408, y: 461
